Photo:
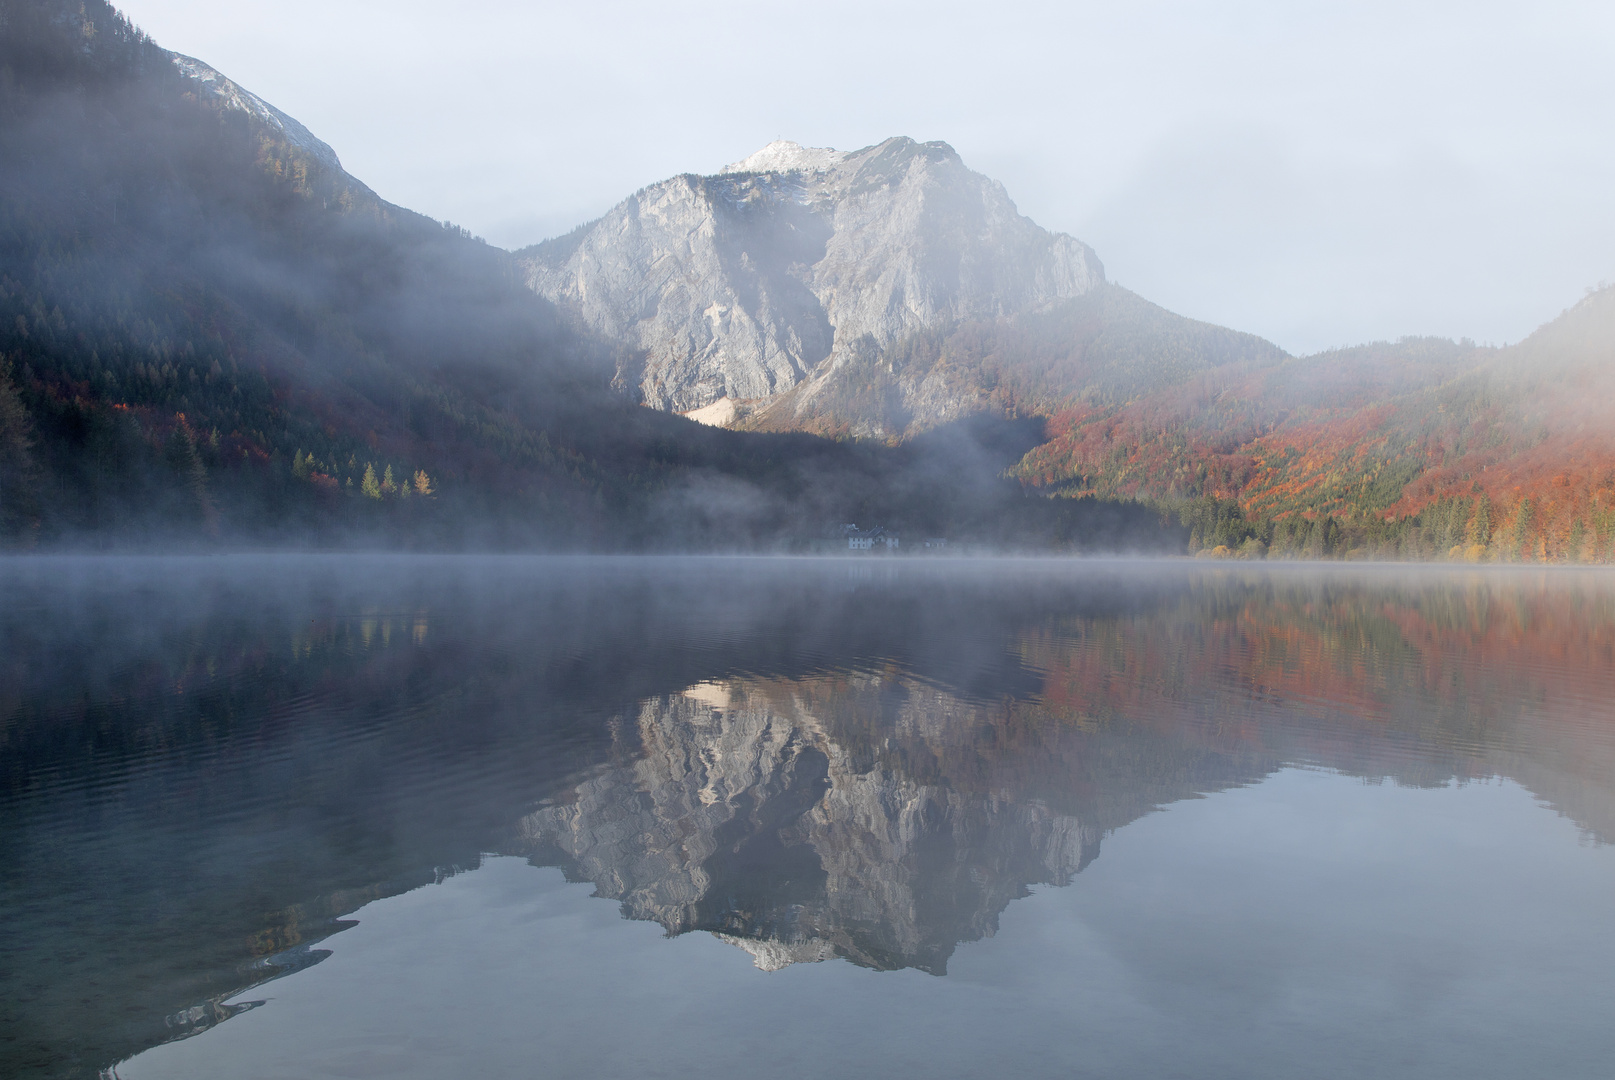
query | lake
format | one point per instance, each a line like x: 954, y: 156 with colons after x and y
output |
x: 341, y: 816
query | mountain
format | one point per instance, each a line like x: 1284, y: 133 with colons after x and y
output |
x: 206, y: 81
x: 212, y: 333
x: 794, y: 261
x: 210, y: 326
x: 847, y: 293
x: 882, y: 293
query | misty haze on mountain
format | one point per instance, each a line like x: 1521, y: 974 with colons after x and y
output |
x: 214, y: 334
x: 1320, y: 175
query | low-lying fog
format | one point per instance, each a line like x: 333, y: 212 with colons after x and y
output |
x: 1179, y: 777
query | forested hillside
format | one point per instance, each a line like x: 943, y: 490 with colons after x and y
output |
x: 209, y: 327
x: 1421, y: 448
x: 211, y: 333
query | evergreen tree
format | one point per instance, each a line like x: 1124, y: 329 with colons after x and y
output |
x: 1480, y: 526
x: 17, y: 475
x: 1521, y: 533
x: 180, y: 453
x: 369, y: 486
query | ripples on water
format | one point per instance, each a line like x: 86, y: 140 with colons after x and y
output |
x: 210, y: 765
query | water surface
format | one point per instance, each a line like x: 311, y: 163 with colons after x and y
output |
x: 308, y: 816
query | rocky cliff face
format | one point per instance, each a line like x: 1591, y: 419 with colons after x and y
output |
x: 797, y: 261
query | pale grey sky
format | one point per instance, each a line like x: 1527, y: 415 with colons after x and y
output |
x: 1318, y: 173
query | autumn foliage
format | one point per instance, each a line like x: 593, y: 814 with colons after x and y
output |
x: 1421, y: 448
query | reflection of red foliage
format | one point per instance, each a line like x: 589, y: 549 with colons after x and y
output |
x: 1478, y: 675
x: 1487, y: 668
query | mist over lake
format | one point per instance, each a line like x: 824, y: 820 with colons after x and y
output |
x: 299, y: 815
x: 1037, y: 541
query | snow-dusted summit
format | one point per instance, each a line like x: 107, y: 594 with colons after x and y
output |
x: 786, y: 156
x: 210, y: 81
x: 796, y: 261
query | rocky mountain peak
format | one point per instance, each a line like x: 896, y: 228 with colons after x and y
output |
x: 796, y: 261
x: 782, y: 155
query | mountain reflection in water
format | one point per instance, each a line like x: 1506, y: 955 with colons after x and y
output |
x: 208, y: 763
x: 781, y: 816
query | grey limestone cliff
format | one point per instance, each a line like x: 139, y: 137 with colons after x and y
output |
x: 796, y: 261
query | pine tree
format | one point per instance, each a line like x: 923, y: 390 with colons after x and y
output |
x: 1480, y: 526
x: 180, y: 452
x: 1521, y: 533
x: 423, y: 483
x: 369, y: 485
x: 387, y: 485
x: 17, y: 474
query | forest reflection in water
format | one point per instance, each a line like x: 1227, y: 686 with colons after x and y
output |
x: 210, y: 763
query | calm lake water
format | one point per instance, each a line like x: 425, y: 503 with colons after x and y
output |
x: 513, y: 817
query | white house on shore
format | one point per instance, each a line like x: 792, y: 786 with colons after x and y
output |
x: 870, y: 539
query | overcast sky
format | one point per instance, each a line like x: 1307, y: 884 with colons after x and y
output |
x: 1317, y: 173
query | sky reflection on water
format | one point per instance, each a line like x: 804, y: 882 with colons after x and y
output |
x: 1308, y: 926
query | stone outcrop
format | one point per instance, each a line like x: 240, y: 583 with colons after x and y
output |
x: 797, y: 261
